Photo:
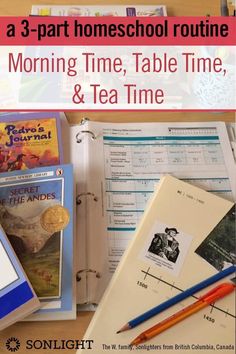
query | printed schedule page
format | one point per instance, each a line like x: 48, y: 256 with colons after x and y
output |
x: 135, y: 159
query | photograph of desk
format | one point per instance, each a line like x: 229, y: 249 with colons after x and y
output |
x: 75, y: 329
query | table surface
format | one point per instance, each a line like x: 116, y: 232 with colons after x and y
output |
x: 75, y: 329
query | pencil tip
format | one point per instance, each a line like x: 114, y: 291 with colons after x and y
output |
x: 126, y: 327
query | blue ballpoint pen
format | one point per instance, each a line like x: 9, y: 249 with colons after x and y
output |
x: 174, y: 300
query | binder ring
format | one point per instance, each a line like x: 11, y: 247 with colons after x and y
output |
x: 79, y: 140
x: 78, y: 197
x: 78, y: 277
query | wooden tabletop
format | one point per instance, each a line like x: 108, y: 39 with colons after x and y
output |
x: 66, y: 330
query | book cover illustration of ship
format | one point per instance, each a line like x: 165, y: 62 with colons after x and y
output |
x: 29, y: 140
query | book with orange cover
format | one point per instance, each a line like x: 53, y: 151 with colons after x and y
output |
x: 29, y: 140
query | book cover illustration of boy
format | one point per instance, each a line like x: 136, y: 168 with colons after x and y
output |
x: 28, y: 143
x: 40, y: 251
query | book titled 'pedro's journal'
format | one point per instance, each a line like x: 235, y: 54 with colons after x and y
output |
x: 29, y: 140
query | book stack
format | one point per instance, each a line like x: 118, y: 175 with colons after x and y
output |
x: 36, y: 215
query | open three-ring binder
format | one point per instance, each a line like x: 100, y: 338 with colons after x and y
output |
x: 117, y: 166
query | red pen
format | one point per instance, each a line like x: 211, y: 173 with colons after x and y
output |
x: 213, y: 295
